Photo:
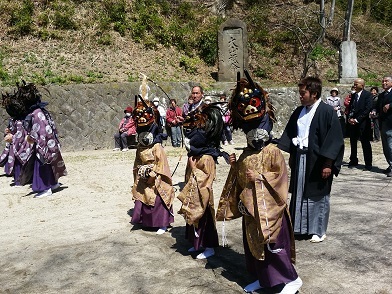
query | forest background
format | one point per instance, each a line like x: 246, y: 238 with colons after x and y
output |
x: 83, y: 41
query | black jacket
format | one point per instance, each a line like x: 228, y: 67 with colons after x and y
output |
x: 325, y: 142
x: 385, y: 118
x: 362, y: 109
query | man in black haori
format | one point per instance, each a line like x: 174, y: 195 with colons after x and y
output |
x: 256, y: 190
x: 314, y: 139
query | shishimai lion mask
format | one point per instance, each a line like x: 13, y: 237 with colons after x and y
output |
x: 203, y: 127
x: 252, y: 111
x: 146, y: 118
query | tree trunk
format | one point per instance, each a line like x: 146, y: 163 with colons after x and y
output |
x: 331, y: 13
x: 347, y: 20
x: 368, y: 7
x: 322, y: 21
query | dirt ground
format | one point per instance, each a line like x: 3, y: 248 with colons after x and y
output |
x: 80, y: 240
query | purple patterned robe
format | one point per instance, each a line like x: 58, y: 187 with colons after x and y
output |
x: 19, y: 149
x: 46, y: 146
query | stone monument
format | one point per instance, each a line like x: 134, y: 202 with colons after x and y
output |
x: 232, y: 49
x: 348, y: 62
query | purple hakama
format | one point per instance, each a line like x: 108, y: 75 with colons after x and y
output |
x: 43, y: 177
x: 276, y: 268
x: 156, y: 216
x: 17, y: 172
x: 208, y: 236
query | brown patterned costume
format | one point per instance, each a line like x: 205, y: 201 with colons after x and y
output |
x: 197, y: 195
x: 257, y: 189
x: 145, y: 191
x: 152, y: 191
x: 265, y: 203
x: 203, y: 129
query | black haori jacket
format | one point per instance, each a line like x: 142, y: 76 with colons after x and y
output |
x: 325, y: 142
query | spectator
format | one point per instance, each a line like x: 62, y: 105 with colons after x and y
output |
x: 384, y: 106
x: 347, y: 109
x: 207, y: 100
x: 359, y: 124
x: 126, y: 128
x: 227, y: 137
x: 314, y: 140
x: 187, y: 106
x: 197, y: 95
x: 336, y: 104
x: 174, y: 120
x: 374, y: 115
x: 162, y: 113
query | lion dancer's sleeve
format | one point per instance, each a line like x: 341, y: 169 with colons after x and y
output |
x: 163, y: 180
x: 271, y: 194
x: 228, y: 202
x: 197, y: 194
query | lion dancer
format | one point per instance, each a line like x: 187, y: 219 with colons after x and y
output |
x: 203, y: 129
x: 14, y: 137
x: 43, y: 164
x: 256, y: 189
x: 152, y: 190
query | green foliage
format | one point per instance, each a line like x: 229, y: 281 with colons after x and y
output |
x: 190, y: 64
x: 208, y: 46
x: 319, y: 52
x: 380, y: 10
x: 115, y: 12
x: 331, y: 74
x: 21, y: 19
x: 105, y: 39
x: 4, y: 75
x: 370, y: 78
x: 261, y: 73
x: 132, y: 77
x: 63, y: 17
x: 46, y: 34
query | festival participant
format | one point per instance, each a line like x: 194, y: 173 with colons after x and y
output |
x: 14, y: 137
x: 8, y: 135
x: 256, y: 190
x: 47, y: 164
x: 15, y: 143
x: 152, y: 190
x: 202, y: 128
x: 314, y: 139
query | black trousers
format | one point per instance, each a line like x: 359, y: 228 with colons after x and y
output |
x: 364, y: 136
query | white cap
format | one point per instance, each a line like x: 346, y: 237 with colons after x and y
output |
x: 155, y: 99
x: 335, y: 89
x: 208, y: 98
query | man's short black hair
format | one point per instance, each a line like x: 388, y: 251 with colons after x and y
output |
x: 312, y: 84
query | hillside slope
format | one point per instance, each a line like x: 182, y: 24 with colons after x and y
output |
x: 80, y: 55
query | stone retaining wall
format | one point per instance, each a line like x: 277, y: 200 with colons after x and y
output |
x: 87, y: 116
